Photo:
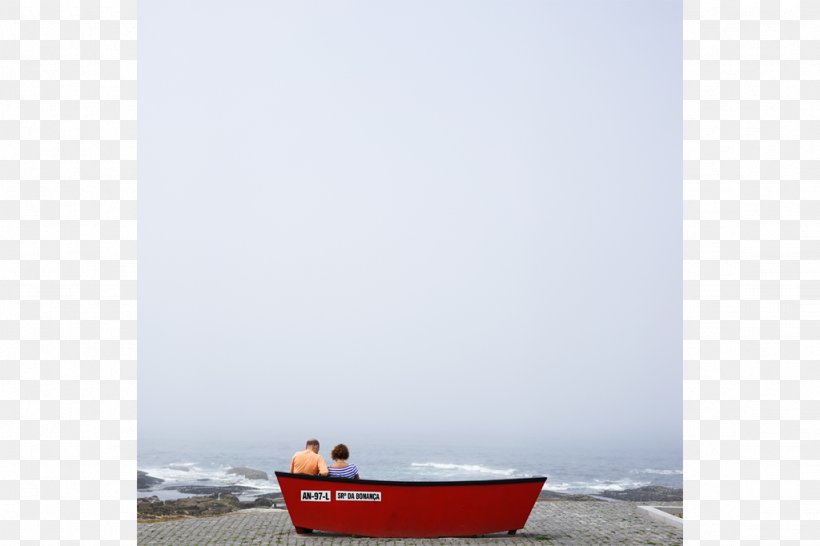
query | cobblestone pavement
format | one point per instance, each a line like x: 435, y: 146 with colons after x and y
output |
x: 560, y: 522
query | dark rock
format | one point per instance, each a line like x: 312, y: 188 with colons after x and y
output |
x: 229, y: 499
x: 650, y: 493
x: 144, y: 481
x: 263, y: 502
x: 179, y: 467
x: 249, y: 473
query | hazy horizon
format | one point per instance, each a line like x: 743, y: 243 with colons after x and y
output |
x: 412, y: 221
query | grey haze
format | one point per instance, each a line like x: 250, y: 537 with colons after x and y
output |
x: 413, y: 220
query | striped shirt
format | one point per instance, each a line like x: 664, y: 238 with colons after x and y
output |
x: 348, y: 471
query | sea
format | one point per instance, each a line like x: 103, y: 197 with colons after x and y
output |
x: 569, y: 469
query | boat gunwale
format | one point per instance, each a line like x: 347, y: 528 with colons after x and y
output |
x: 504, y: 481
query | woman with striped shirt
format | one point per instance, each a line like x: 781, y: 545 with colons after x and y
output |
x: 340, y: 467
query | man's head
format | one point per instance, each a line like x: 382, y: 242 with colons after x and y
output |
x: 312, y: 444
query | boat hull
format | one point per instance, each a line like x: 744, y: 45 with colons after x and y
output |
x: 377, y: 508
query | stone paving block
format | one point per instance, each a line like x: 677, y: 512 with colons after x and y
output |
x: 551, y: 523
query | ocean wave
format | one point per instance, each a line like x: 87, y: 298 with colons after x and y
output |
x: 594, y: 486
x: 659, y: 471
x: 179, y: 474
x: 467, y: 468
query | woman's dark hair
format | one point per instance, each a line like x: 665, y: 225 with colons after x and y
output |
x: 340, y: 453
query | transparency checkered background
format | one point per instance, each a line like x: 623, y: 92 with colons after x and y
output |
x: 751, y: 271
x: 68, y: 272
x: 751, y: 281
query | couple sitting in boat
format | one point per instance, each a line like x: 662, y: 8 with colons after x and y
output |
x: 310, y: 462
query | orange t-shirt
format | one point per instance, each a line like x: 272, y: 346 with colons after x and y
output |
x: 308, y: 462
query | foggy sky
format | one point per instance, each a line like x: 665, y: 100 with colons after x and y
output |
x: 453, y: 219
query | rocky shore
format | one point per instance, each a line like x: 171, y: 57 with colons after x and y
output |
x: 205, y: 500
x: 154, y: 509
x: 650, y: 493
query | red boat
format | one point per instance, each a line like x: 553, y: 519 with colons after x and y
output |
x: 377, y: 508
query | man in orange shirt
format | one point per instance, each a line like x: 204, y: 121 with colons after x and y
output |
x: 309, y: 461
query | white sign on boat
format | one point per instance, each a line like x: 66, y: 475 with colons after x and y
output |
x: 371, y: 496
x: 315, y: 496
